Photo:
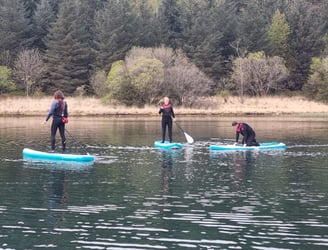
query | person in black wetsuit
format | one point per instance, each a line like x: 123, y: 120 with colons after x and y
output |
x: 247, y: 132
x: 167, y: 117
x: 58, y: 109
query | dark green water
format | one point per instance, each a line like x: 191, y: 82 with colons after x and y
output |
x: 137, y: 197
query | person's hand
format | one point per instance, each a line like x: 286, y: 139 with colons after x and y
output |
x: 45, y: 122
x: 245, y: 145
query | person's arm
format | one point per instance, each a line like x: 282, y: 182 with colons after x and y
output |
x: 160, y: 110
x: 237, y: 138
x: 172, y: 113
x: 51, y: 111
x: 66, y: 110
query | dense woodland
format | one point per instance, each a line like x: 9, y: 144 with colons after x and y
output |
x: 135, y: 51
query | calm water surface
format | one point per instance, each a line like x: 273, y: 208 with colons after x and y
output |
x: 138, y: 197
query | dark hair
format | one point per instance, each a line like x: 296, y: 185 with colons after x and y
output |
x: 234, y: 123
x: 59, y: 95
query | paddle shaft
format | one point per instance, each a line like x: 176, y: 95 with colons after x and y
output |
x: 77, y: 141
x: 188, y: 137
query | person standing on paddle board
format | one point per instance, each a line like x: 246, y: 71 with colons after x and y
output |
x: 167, y: 117
x: 58, y: 110
x: 247, y: 132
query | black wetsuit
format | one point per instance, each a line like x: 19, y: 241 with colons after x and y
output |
x: 57, y: 110
x: 167, y: 115
x: 247, y: 133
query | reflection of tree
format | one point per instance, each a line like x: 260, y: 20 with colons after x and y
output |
x: 57, y: 197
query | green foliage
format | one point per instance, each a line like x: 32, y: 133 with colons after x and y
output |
x: 76, y: 37
x: 278, y: 35
x: 119, y: 85
x: 14, y: 27
x: 69, y: 57
x: 147, y: 75
x: 317, y: 86
x: 305, y: 41
x: 6, y: 83
x: 116, y: 32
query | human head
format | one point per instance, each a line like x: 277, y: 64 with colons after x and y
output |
x: 234, y: 123
x: 166, y: 100
x: 59, y: 95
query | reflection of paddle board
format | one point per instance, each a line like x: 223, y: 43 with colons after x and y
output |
x: 263, y: 146
x: 30, y: 154
x: 167, y: 145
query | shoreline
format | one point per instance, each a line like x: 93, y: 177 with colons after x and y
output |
x: 213, y: 106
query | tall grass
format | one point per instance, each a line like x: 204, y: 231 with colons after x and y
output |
x: 82, y: 106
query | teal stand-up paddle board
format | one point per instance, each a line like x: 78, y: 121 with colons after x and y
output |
x: 33, y: 155
x: 263, y: 146
x: 167, y: 145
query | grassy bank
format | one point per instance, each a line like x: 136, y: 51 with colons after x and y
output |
x: 212, y: 106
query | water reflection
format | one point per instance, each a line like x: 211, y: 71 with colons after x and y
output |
x: 137, y: 197
x: 58, y: 197
x: 168, y: 159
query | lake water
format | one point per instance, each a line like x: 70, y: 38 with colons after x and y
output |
x: 138, y: 197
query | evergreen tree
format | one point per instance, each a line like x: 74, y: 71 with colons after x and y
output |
x: 169, y: 15
x: 278, y: 35
x: 147, y: 25
x: 305, y: 40
x: 116, y: 32
x: 43, y: 18
x: 30, y: 7
x: 68, y: 57
x: 14, y: 28
x: 208, y: 30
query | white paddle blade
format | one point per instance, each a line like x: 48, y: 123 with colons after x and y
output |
x: 188, y: 138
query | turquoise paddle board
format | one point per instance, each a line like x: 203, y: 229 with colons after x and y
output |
x: 30, y: 154
x: 167, y: 145
x: 263, y: 146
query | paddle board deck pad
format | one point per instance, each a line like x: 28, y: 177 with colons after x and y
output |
x: 30, y: 154
x: 167, y: 145
x: 263, y: 146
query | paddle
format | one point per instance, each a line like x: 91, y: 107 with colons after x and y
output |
x: 77, y: 141
x: 188, y: 137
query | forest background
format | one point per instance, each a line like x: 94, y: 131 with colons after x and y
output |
x: 134, y: 52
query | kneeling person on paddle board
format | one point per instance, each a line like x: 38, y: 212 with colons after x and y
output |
x: 58, y: 109
x: 247, y: 132
x: 167, y: 117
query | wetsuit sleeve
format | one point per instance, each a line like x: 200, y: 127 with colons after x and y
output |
x: 160, y: 110
x: 66, y: 110
x: 51, y: 111
x: 172, y: 113
x: 237, y: 136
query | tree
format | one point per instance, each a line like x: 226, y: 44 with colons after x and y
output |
x: 14, y: 27
x: 116, y: 32
x: 258, y: 75
x: 119, y: 85
x: 6, y: 83
x: 42, y: 19
x: 317, y: 86
x: 69, y: 57
x: 28, y: 68
x: 169, y: 15
x: 147, y: 74
x: 305, y: 40
x: 278, y: 35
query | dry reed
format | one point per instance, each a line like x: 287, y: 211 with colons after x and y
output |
x: 89, y: 106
